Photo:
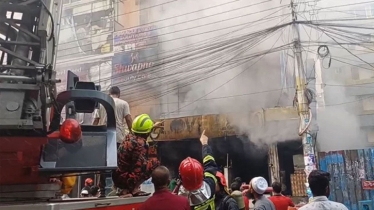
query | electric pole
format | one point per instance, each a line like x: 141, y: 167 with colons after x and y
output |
x: 302, y: 101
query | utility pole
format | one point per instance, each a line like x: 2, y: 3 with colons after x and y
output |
x: 302, y: 102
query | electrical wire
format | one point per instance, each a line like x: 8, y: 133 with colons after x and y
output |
x: 51, y: 36
x: 194, y: 79
x: 257, y: 92
x: 227, y: 80
x: 188, y: 13
x: 189, y: 83
x: 218, y: 43
x: 193, y: 56
x: 325, y: 54
x: 189, y: 35
x: 346, y: 5
x: 341, y: 61
x: 172, y: 32
x: 105, y: 6
x: 346, y: 49
x: 185, y: 48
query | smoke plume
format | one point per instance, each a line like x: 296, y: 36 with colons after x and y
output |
x: 242, y: 89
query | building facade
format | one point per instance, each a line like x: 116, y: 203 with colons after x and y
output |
x: 345, y: 104
x: 85, y: 44
x: 345, y: 81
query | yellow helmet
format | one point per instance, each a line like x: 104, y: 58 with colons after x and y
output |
x: 142, y: 124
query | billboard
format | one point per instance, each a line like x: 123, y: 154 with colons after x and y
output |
x: 133, y: 66
x: 99, y: 72
x: 85, y: 34
x: 62, y: 71
x: 134, y: 39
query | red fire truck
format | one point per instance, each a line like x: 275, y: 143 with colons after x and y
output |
x: 35, y: 145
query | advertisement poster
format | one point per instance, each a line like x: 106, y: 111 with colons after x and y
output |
x: 133, y: 66
x: 309, y: 160
x: 99, y: 72
x: 84, y: 34
x: 135, y: 39
x: 82, y: 71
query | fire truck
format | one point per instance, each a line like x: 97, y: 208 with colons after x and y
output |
x: 36, y: 144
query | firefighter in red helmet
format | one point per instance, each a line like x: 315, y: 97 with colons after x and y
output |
x: 199, y: 182
x: 223, y: 199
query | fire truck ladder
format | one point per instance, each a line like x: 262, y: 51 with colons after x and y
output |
x: 27, y: 79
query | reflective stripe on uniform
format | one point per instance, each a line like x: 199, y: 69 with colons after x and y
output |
x: 210, y: 202
x: 207, y: 174
x: 207, y: 158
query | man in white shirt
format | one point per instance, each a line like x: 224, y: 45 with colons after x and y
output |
x: 319, y: 185
x: 122, y: 112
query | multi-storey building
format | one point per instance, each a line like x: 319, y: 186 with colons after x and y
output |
x: 135, y: 53
x: 85, y: 42
x: 188, y: 25
x: 346, y: 79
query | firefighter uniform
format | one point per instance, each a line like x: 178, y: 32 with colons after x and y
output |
x: 199, y: 182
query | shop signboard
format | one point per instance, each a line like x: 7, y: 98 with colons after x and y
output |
x: 191, y: 127
x: 133, y: 66
x: 135, y: 39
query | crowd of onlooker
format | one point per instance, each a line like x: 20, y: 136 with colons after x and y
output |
x: 319, y: 184
x: 318, y: 181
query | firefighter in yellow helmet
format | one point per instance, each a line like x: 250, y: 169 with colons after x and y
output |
x: 134, y: 164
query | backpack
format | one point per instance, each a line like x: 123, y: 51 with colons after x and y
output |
x: 224, y: 202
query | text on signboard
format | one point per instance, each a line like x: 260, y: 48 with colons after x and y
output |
x: 119, y: 68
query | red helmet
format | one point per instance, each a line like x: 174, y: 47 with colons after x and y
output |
x: 88, y: 181
x: 192, y: 174
x: 222, y: 178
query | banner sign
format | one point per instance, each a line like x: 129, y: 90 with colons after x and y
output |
x: 134, y: 39
x: 62, y: 72
x: 131, y: 66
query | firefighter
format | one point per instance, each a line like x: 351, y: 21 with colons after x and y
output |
x: 223, y: 198
x: 199, y: 183
x: 134, y: 164
x: 88, y: 183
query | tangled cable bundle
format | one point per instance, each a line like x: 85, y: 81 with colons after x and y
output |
x: 324, y: 52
